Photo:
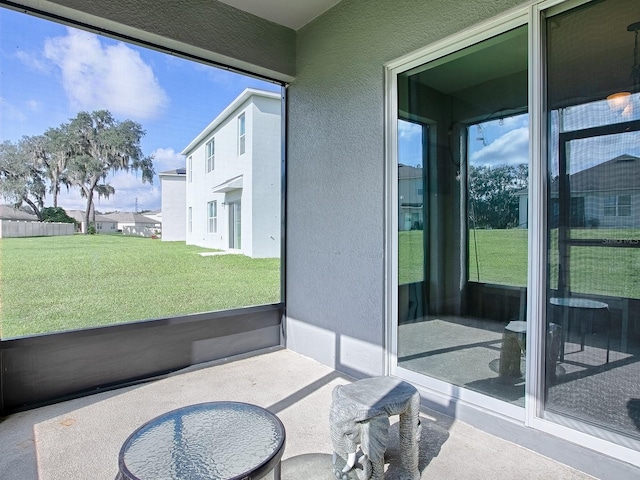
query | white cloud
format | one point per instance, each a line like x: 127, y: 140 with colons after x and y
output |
x: 514, y: 121
x: 408, y: 130
x: 512, y: 148
x: 33, y: 61
x: 167, y: 159
x: 98, y: 76
x: 33, y: 105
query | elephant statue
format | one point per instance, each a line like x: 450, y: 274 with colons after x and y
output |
x: 359, y: 426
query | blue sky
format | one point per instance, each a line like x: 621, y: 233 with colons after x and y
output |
x: 50, y: 72
x: 498, y: 142
x: 506, y: 141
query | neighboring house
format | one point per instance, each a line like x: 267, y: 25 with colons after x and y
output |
x: 130, y: 223
x: 8, y: 212
x: 233, y: 178
x: 174, y: 201
x: 102, y: 223
x: 410, y: 186
x: 155, y: 215
x: 606, y: 195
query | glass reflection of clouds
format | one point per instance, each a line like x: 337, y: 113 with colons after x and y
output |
x: 409, y: 143
x: 501, y: 141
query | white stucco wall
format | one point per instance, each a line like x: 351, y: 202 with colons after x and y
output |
x: 258, y: 167
x: 335, y: 173
x: 266, y: 172
x: 228, y: 164
x: 174, y: 210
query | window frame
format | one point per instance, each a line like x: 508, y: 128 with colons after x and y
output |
x: 190, y: 169
x: 242, y: 134
x: 212, y: 216
x: 615, y: 207
x: 210, y: 148
x: 626, y: 205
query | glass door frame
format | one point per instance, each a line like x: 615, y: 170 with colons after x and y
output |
x: 437, y: 391
x: 433, y: 386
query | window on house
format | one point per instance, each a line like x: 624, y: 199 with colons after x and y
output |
x: 210, y: 152
x: 190, y: 220
x: 617, y: 206
x: 212, y: 217
x: 624, y: 205
x: 241, y: 134
x: 190, y: 169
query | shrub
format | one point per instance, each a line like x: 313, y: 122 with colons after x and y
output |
x: 92, y: 230
x: 56, y: 214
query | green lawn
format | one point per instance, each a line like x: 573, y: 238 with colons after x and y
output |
x: 501, y: 256
x: 50, y: 284
x: 502, y: 259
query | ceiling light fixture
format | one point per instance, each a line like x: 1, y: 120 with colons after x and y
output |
x: 621, y: 101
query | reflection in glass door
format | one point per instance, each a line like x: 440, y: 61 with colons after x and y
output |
x: 412, y: 143
x: 593, y: 223
x: 463, y: 141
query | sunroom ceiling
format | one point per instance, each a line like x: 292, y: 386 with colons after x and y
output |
x: 294, y: 14
x: 590, y: 56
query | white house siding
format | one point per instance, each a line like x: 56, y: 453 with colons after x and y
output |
x: 266, y: 153
x: 105, y: 226
x: 174, y: 208
x: 523, y: 205
x: 257, y: 170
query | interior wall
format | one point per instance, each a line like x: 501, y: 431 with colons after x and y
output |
x: 335, y: 170
x: 209, y: 29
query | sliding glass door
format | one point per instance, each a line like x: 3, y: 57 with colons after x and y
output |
x: 515, y: 226
x: 593, y: 227
x: 462, y: 226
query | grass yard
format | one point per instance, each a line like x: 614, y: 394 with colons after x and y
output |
x: 50, y: 284
x: 502, y: 259
x: 501, y: 256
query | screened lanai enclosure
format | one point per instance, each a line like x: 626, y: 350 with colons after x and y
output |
x: 467, y: 189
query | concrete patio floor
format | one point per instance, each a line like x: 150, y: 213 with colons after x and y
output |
x: 81, y: 438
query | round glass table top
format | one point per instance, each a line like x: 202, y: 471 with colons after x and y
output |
x: 574, y: 302
x: 217, y: 440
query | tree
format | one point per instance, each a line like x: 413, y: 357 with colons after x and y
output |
x: 493, y: 202
x: 21, y: 178
x: 54, y: 151
x: 100, y: 144
x: 56, y: 214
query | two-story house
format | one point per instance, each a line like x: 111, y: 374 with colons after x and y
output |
x: 233, y: 178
